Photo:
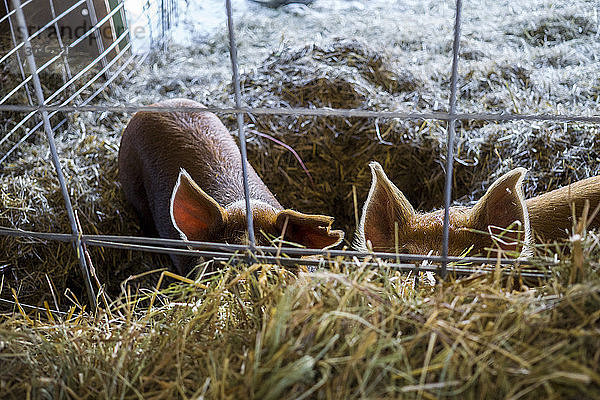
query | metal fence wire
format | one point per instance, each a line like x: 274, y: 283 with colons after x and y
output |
x: 112, y: 61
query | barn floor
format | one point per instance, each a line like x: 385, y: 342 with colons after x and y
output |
x: 477, y: 338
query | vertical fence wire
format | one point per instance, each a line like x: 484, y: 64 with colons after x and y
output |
x: 167, y: 11
x: 97, y: 32
x: 61, y: 46
x: 163, y: 28
x: 146, y: 11
x: 450, y: 143
x: 55, y: 160
x: 240, y: 121
x: 14, y: 41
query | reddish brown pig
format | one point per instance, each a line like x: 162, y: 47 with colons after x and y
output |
x: 551, y: 214
x: 182, y: 172
x: 389, y: 221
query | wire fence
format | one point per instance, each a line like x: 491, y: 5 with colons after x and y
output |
x: 112, y: 61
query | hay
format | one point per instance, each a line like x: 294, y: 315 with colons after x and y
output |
x: 343, y: 333
x: 390, y: 72
x: 541, y: 29
x: 267, y: 332
x: 345, y: 74
x: 31, y: 200
x: 9, y: 80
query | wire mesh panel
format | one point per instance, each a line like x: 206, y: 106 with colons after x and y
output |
x: 59, y: 53
x: 71, y: 53
x: 79, y: 63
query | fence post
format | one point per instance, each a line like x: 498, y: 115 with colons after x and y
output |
x: 55, y: 160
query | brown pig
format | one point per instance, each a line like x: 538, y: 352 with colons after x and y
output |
x: 389, y: 221
x: 182, y: 172
x: 551, y: 214
x: 502, y: 218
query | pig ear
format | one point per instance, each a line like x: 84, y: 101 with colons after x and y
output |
x: 193, y: 212
x: 385, y: 206
x: 312, y: 231
x: 500, y: 207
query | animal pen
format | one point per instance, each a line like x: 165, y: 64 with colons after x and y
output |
x: 102, y: 52
x: 439, y: 97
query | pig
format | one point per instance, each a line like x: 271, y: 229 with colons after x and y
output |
x: 551, y: 214
x: 503, y: 206
x: 182, y: 172
x: 501, y: 220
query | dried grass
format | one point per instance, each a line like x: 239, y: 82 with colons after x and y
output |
x: 346, y: 332
x: 342, y: 333
x: 329, y: 73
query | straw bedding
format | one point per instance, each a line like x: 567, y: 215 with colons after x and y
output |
x: 335, y: 151
x: 349, y: 331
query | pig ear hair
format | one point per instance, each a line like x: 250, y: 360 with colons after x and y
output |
x: 312, y: 231
x: 385, y: 206
x: 193, y: 212
x: 498, y: 210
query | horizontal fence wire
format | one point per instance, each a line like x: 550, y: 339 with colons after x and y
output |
x: 171, y: 246
x: 278, y: 259
x: 30, y: 307
x: 316, y: 112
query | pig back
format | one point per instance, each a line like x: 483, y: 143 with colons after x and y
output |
x: 156, y: 145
